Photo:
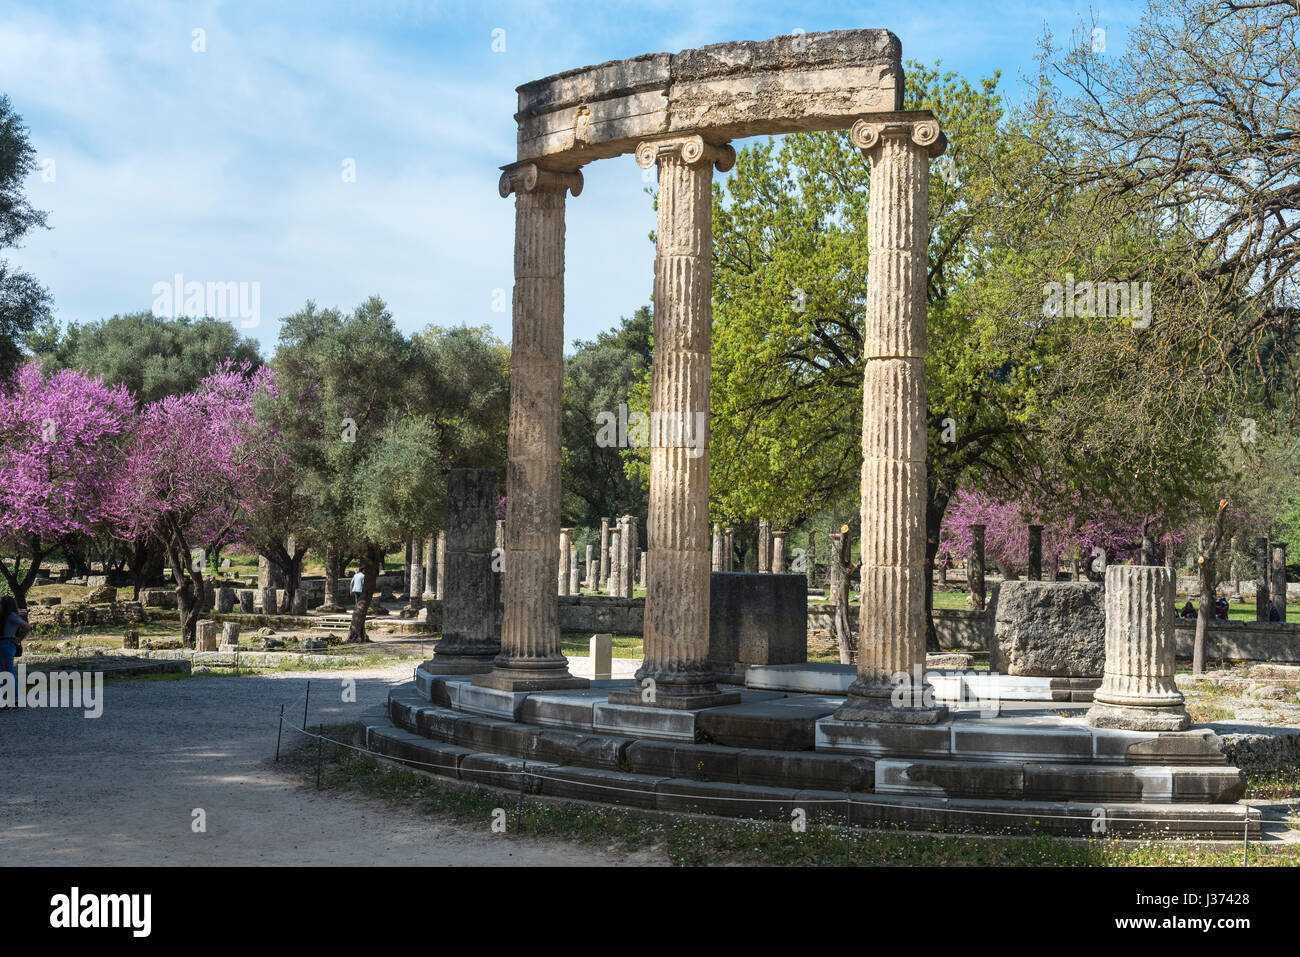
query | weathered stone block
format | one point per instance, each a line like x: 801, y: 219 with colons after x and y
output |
x: 757, y: 619
x: 1055, y: 629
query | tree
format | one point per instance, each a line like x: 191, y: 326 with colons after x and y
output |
x: 199, y: 464
x: 600, y: 377
x: 153, y: 356
x: 373, y: 421
x: 24, y: 303
x: 61, y: 436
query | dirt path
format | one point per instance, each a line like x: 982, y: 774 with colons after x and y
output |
x: 122, y: 788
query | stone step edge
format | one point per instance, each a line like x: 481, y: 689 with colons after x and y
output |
x: 721, y: 799
x: 404, y: 704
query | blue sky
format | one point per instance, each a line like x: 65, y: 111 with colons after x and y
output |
x: 227, y: 164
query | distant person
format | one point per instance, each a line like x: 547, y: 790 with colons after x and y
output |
x: 1273, y: 613
x: 13, y: 625
x: 1221, y: 609
x: 1189, y: 611
x: 358, y: 584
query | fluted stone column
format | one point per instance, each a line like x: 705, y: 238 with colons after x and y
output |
x: 891, y: 685
x: 470, y: 639
x: 1137, y: 690
x: 603, y: 577
x: 416, y: 588
x: 575, y: 582
x: 430, y: 567
x: 729, y: 549
x: 715, y: 557
x: 588, y: 569
x: 975, y: 566
x: 614, y: 555
x: 764, y: 546
x: 676, y: 672
x: 565, y: 572
x: 442, y: 565
x: 778, y: 552
x: 530, y: 657
x: 628, y: 541
x: 641, y: 569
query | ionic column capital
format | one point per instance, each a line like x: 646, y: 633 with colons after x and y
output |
x: 693, y: 150
x: 925, y: 133
x: 529, y: 177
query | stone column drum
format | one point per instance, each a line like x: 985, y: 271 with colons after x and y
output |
x: 764, y: 547
x: 891, y: 686
x: 415, y: 589
x: 1277, y: 580
x: 614, y: 553
x: 1137, y: 692
x: 628, y: 541
x: 430, y: 567
x: 530, y: 658
x: 575, y: 582
x: 588, y: 568
x: 715, y: 559
x: 676, y: 672
x: 469, y: 631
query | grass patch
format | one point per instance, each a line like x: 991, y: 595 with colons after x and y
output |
x: 693, y: 841
x: 1202, y: 713
x: 1273, y: 785
x: 624, y: 646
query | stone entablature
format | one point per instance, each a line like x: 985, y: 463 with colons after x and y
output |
x: 788, y: 84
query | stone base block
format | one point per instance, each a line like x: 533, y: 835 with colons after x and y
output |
x: 881, y: 711
x: 456, y: 665
x: 491, y: 701
x: 640, y: 721
x: 1167, y: 718
x: 676, y: 702
x: 503, y: 680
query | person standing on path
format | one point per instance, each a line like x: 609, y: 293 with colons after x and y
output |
x: 12, y: 628
x: 358, y: 583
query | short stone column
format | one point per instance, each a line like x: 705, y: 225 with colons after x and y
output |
x: 602, y: 577
x: 729, y: 549
x: 225, y: 600
x: 891, y: 685
x: 975, y: 567
x: 1277, y: 581
x: 205, y: 635
x: 332, y: 575
x: 778, y: 552
x: 589, y: 572
x: 810, y: 559
x: 715, y: 558
x: 229, y: 636
x: 566, y: 539
x: 641, y: 569
x: 470, y: 639
x: 764, y: 547
x: 575, y: 582
x: 1035, y: 563
x: 676, y: 671
x: 247, y: 600
x: 1137, y: 692
x: 270, y: 604
x: 530, y: 658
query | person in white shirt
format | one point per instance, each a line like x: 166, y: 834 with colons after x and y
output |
x: 358, y: 583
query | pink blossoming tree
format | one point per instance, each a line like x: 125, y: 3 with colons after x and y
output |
x: 61, y: 440
x: 199, y: 464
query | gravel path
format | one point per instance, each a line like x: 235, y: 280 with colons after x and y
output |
x: 121, y: 789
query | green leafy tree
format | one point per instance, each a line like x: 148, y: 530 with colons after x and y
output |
x: 24, y: 303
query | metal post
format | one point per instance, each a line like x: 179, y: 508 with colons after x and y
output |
x: 320, y: 746
x: 279, y: 731
x: 306, y: 701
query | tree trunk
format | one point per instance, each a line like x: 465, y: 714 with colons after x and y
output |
x: 840, y: 552
x: 370, y: 568
x: 1205, y: 580
x: 189, y: 589
x: 332, y: 574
